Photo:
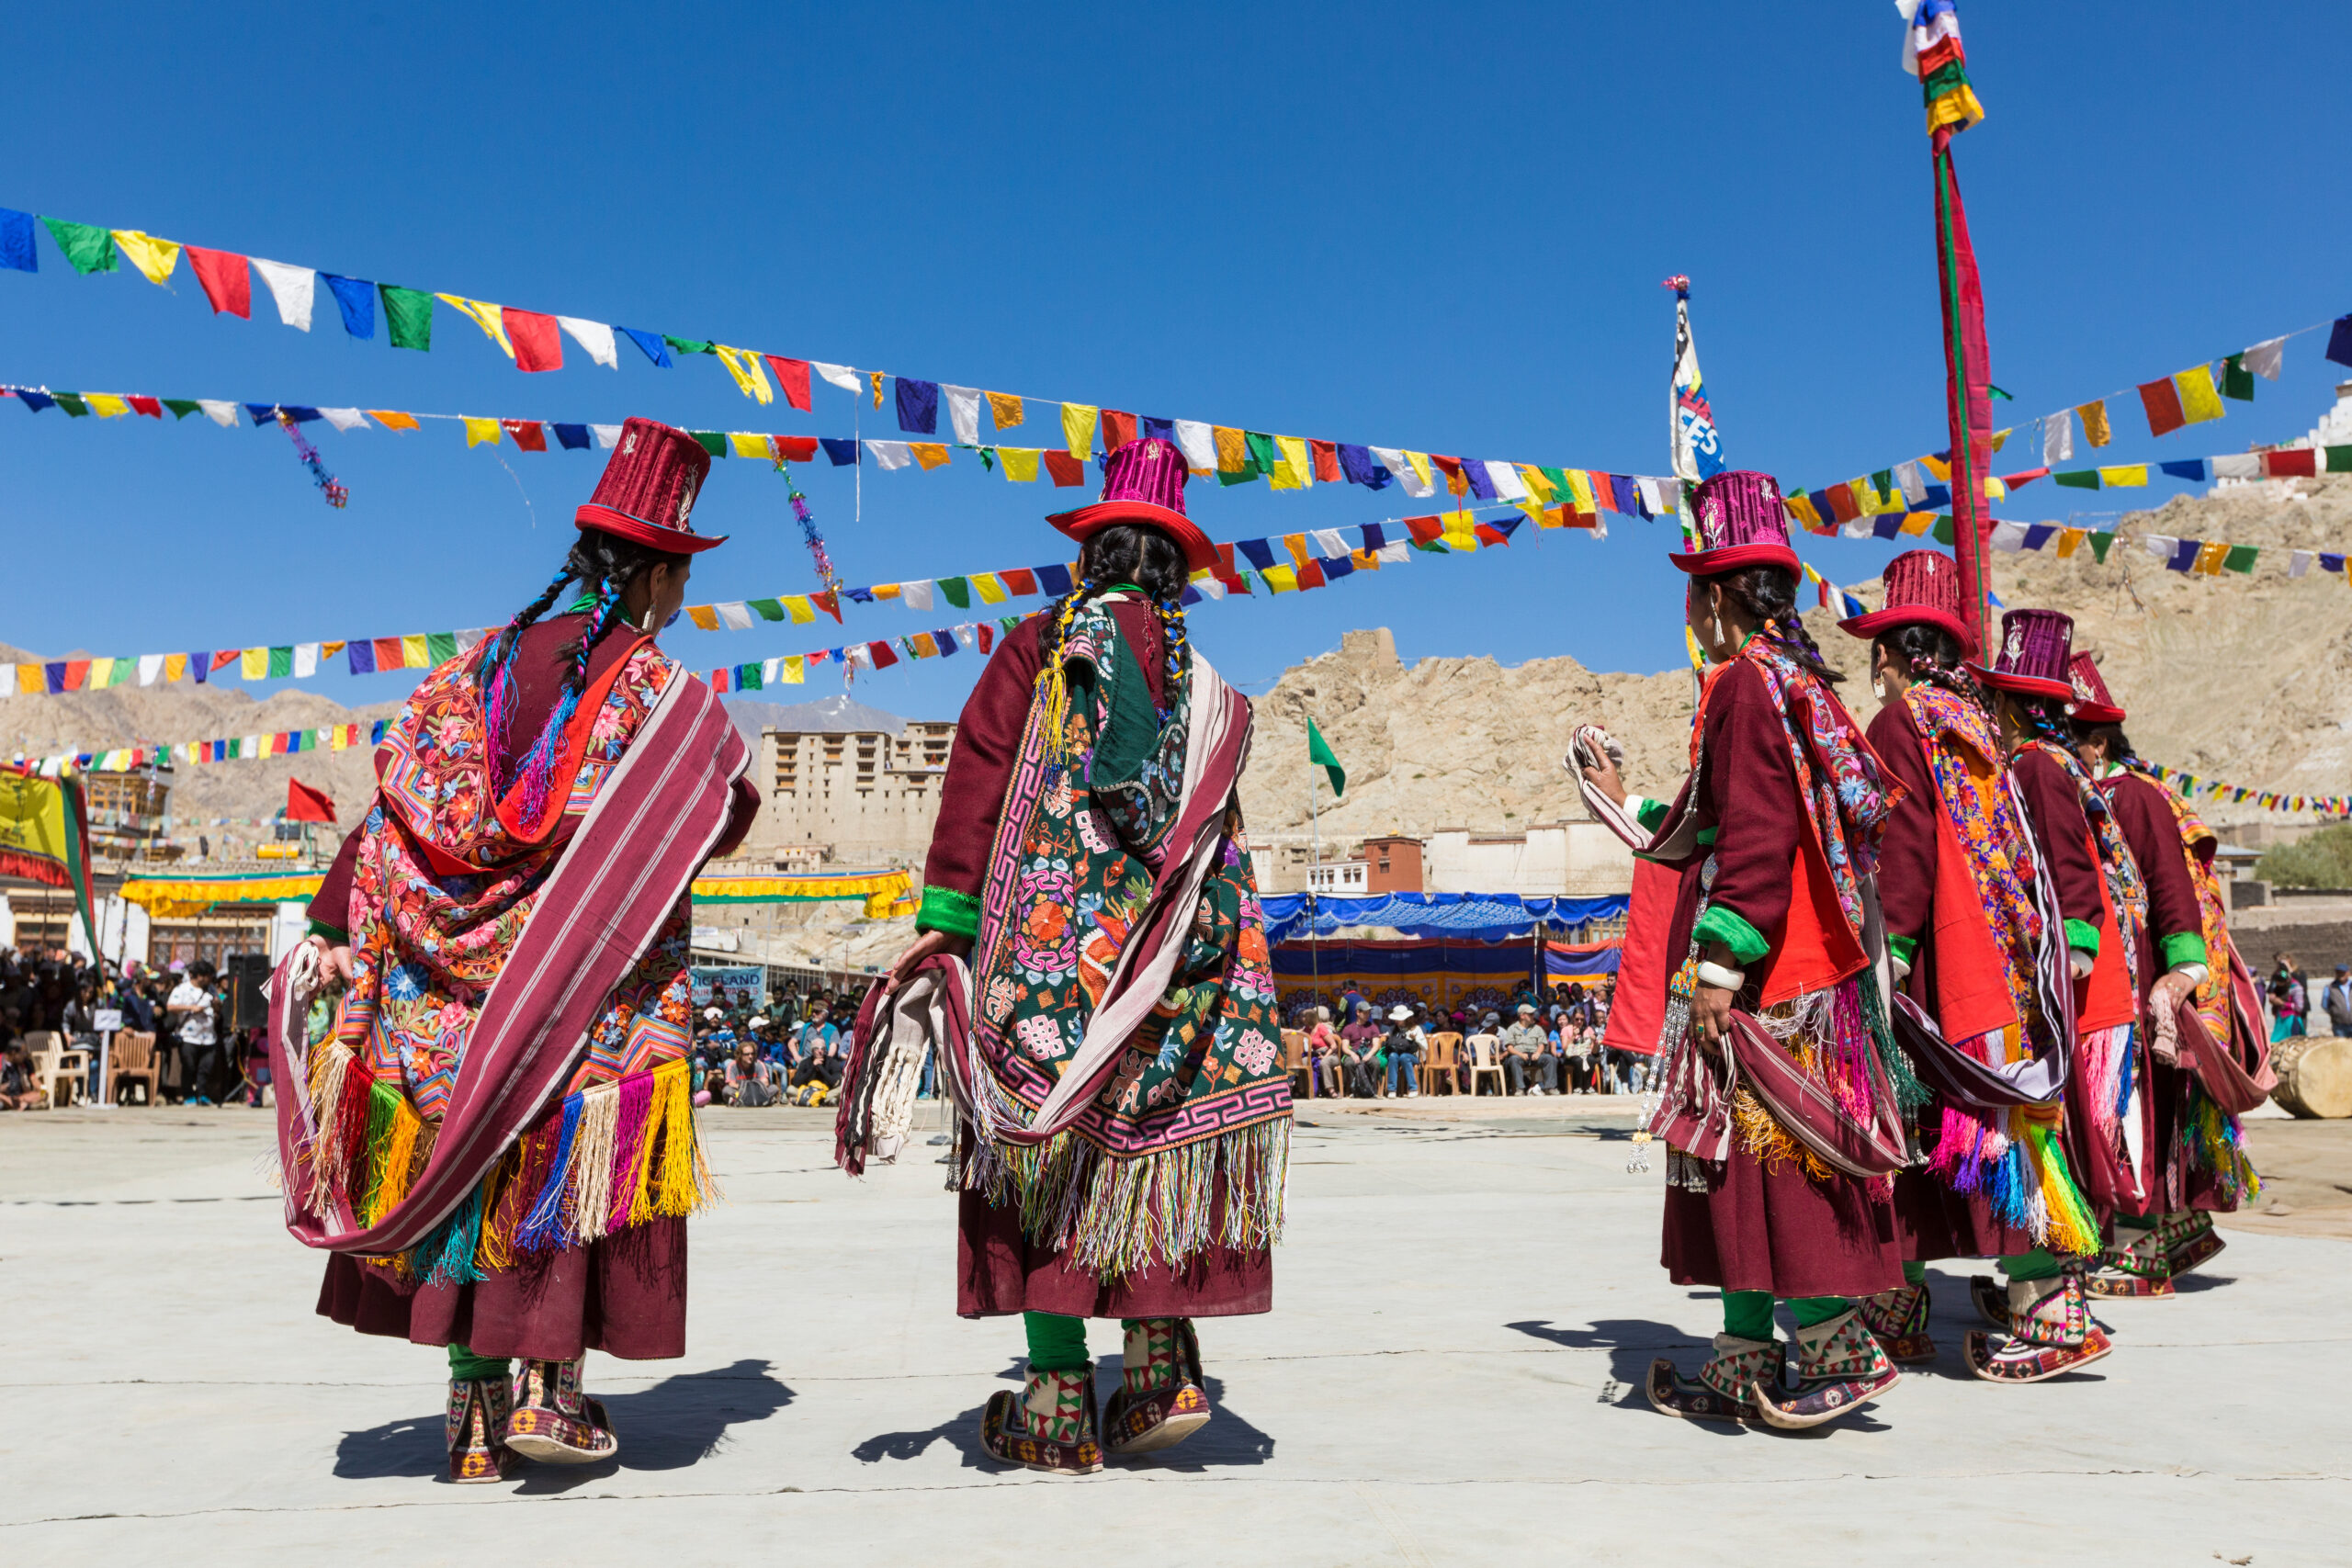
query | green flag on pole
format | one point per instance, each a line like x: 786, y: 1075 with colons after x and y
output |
x: 1319, y: 753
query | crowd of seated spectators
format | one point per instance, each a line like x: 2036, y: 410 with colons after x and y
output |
x: 1543, y: 1043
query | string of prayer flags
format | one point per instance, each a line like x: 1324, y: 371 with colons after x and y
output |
x: 2191, y: 785
x: 228, y: 748
x: 1931, y: 51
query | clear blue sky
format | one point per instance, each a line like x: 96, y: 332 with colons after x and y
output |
x: 1434, y: 227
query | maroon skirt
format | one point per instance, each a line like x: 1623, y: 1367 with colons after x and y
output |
x: 999, y: 1270
x: 1778, y: 1230
x: 624, y: 1296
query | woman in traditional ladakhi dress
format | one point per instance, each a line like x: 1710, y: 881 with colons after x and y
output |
x: 1126, y: 1116
x: 2202, y: 1167
x: 1982, y: 940
x: 1774, y: 836
x: 486, y: 1112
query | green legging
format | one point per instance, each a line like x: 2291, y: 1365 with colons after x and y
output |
x: 1058, y: 1344
x: 1748, y: 1315
x: 465, y: 1364
x: 2039, y: 1264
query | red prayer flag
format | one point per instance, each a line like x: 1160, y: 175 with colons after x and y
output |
x: 228, y: 656
x: 719, y: 682
x: 883, y: 656
x: 1841, y: 502
x: 2022, y: 478
x: 2288, y: 465
x: 1118, y: 429
x: 1575, y: 519
x: 390, y: 653
x: 78, y: 672
x: 988, y: 636
x: 1327, y: 461
x: 527, y: 434
x: 538, y: 341
x: 2162, y: 400
x: 304, y: 804
x: 152, y: 408
x: 1488, y: 535
x: 1067, y: 470
x: 1456, y: 482
x: 1235, y: 584
x: 795, y: 448
x: 1020, y: 580
x: 1425, y: 530
x: 228, y: 281
x: 829, y: 601
x: 1311, y: 575
x: 1224, y: 559
x: 792, y: 375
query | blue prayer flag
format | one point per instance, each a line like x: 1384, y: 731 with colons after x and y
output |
x: 361, y: 655
x: 17, y: 250
x: 297, y: 413
x: 1887, y: 525
x: 918, y: 407
x: 37, y: 401
x: 860, y: 595
x: 1260, y: 552
x: 2187, y: 468
x: 356, y: 299
x: 655, y: 349
x: 1481, y: 485
x: 574, y: 437
x: 947, y: 641
x: 2184, y: 555
x: 264, y: 413
x: 1337, y: 568
x: 1158, y: 429
x: 1189, y: 597
x: 2339, y: 341
x: 1375, y: 536
x: 1938, y: 496
x: 1358, y: 464
x: 843, y: 453
x: 2037, y: 535
x: 200, y: 662
x: 1054, y: 579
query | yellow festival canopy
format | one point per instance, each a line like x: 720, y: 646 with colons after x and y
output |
x: 886, y: 892
x: 181, y: 896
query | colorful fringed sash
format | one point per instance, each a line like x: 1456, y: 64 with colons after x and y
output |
x: 1121, y: 1078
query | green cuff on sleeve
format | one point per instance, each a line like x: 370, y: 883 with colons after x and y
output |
x: 2082, y: 936
x: 1722, y: 925
x: 1652, y: 814
x: 945, y: 910
x: 1905, y: 948
x: 335, y: 935
x: 2184, y: 947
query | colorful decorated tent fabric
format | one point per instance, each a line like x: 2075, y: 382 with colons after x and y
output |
x: 884, y: 893
x: 1487, y: 917
x: 183, y: 897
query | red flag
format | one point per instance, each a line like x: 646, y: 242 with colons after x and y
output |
x: 719, y: 682
x: 829, y: 601
x: 1456, y: 482
x: 528, y: 434
x: 2161, y: 398
x: 883, y: 656
x: 539, y: 343
x: 1968, y: 379
x: 226, y: 657
x: 151, y: 407
x: 988, y: 636
x: 227, y: 282
x: 792, y: 375
x: 795, y: 448
x: 1425, y: 530
x: 1118, y: 429
x: 1327, y: 461
x: 1066, y: 469
x: 304, y: 804
x: 1020, y: 580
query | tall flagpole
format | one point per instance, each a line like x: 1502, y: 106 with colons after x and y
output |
x: 1695, y: 447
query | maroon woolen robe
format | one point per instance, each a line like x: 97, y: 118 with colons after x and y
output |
x: 998, y: 1268
x: 625, y: 1295
x: 1762, y: 1228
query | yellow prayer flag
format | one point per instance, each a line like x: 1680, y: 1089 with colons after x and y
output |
x: 329, y: 649
x: 924, y: 647
x: 1366, y: 561
x: 1005, y: 409
x: 254, y: 663
x: 929, y: 454
x: 392, y: 419
x: 1019, y: 463
x: 415, y: 653
x: 1077, y: 428
x: 751, y: 377
x: 801, y: 611
x: 1937, y: 466
x: 1296, y: 545
x: 151, y: 255
x: 1420, y: 461
x: 747, y: 444
x: 2095, y: 427
x: 876, y: 377
x: 2209, y: 556
x: 481, y: 430
x: 174, y: 667
x: 1917, y: 522
x: 1540, y: 514
x: 1458, y: 534
x: 1281, y: 578
x: 704, y: 615
x: 1232, y: 449
x: 991, y: 590
x: 101, y: 674
x: 1539, y: 485
x: 1580, y: 491
x: 884, y: 590
x: 1297, y: 469
x: 1995, y: 489
x: 2199, y: 401
x: 30, y: 678
x: 2001, y: 439
x: 2069, y: 541
x: 2124, y: 474
x: 793, y: 667
x: 106, y: 405
x: 491, y: 319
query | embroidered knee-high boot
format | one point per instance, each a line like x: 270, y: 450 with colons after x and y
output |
x: 476, y: 1427
x: 1050, y: 1424
x: 2189, y: 1240
x: 2049, y: 1331
x: 1839, y: 1365
x: 2136, y: 1263
x: 1899, y: 1319
x: 554, y: 1422
x: 1722, y: 1390
x: 1161, y: 1402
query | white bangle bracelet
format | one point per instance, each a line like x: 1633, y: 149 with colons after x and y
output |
x: 1723, y: 979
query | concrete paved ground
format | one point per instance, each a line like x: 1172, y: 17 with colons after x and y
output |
x: 1465, y: 1305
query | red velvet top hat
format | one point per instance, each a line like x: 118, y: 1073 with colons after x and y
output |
x: 2092, y: 703
x: 1740, y: 523
x: 2035, y: 648
x: 1922, y: 588
x: 1144, y: 482
x: 647, y: 490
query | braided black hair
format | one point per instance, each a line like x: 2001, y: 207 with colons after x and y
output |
x: 1932, y: 655
x: 2120, y: 750
x: 1769, y: 593
x: 1147, y: 556
x: 2043, y: 718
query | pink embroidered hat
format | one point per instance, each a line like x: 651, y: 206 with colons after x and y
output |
x: 1144, y: 482
x: 2092, y: 703
x: 647, y: 490
x: 1922, y: 588
x: 2035, y: 648
x: 1740, y: 523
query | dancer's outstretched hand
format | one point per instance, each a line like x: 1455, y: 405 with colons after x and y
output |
x: 924, y: 947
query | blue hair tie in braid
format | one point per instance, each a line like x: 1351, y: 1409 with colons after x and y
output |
x: 537, y: 772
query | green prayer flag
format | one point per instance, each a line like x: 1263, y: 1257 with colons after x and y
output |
x: 686, y: 344
x: 2339, y: 459
x: 408, y: 317
x: 1262, y: 453
x: 1998, y: 394
x: 988, y: 460
x: 441, y: 647
x: 122, y: 671
x: 182, y: 407
x: 89, y: 248
x: 712, y: 442
x: 959, y: 590
x: 2099, y: 542
x: 1240, y: 476
x: 2237, y: 381
x: 1319, y: 754
x: 71, y: 404
x: 2241, y: 558
x: 281, y: 661
x: 768, y: 609
x: 749, y: 677
x: 1882, y: 480
x: 2077, y: 478
x: 1563, y: 494
x: 1944, y: 534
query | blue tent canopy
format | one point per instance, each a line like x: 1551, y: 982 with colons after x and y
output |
x: 1489, y: 917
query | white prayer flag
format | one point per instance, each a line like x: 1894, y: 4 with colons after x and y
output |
x: 2238, y: 466
x: 1505, y: 478
x: 221, y: 414
x: 2057, y: 438
x: 151, y: 665
x: 1392, y: 460
x: 2298, y: 562
x: 841, y: 375
x: 1198, y: 440
x: 1210, y: 585
x: 593, y: 336
x: 306, y: 658
x: 735, y: 615
x: 2008, y: 535
x: 1397, y: 553
x: 468, y: 637
x: 2264, y: 359
x: 1914, y: 489
x: 1329, y: 544
x: 2159, y: 545
x: 345, y: 419
x: 963, y: 412
x: 916, y: 595
x: 890, y: 454
x: 1658, y: 494
x: 292, y: 288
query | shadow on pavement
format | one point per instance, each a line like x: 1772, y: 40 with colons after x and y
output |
x: 671, y: 1425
